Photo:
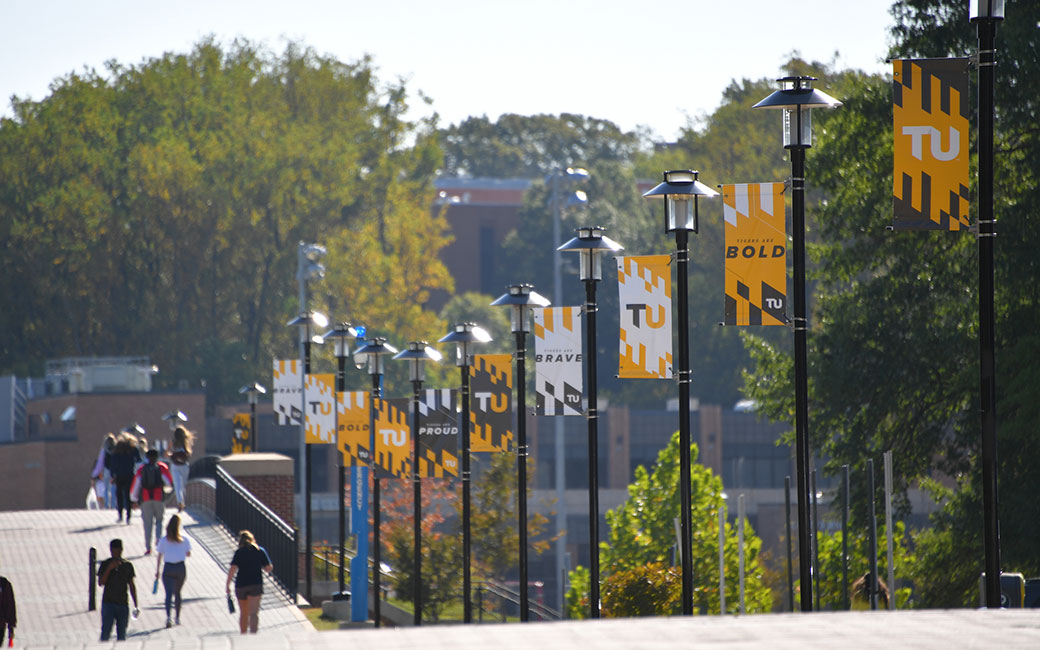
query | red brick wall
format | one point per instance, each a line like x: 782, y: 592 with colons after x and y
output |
x: 202, y: 493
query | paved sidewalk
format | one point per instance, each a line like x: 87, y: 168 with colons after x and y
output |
x: 45, y: 555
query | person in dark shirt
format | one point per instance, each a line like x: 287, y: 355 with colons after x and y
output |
x: 8, y: 610
x: 247, y: 567
x: 116, y: 575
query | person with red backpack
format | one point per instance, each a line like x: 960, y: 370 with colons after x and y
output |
x: 147, y: 492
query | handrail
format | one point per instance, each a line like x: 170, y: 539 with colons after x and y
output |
x: 511, y: 596
x: 237, y: 509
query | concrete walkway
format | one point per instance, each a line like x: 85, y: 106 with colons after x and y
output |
x: 45, y: 555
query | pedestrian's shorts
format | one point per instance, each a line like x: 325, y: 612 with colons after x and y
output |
x: 242, y: 593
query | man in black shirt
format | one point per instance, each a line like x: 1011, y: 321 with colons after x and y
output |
x: 116, y: 574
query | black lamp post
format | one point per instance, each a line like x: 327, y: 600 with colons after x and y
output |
x: 521, y: 297
x: 417, y: 354
x: 339, y: 336
x: 796, y: 98
x: 307, y: 324
x: 253, y: 391
x: 680, y: 191
x: 591, y: 245
x: 986, y: 14
x: 463, y: 336
x: 371, y: 355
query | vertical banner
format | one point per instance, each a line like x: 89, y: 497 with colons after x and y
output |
x: 491, y: 414
x: 393, y: 438
x: 240, y: 433
x: 320, y: 401
x: 438, y: 434
x: 286, y: 391
x: 557, y: 360
x: 352, y: 435
x: 645, y: 293
x: 930, y: 111
x: 756, y: 254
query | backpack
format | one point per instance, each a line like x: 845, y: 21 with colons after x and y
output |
x: 179, y: 457
x: 151, y: 477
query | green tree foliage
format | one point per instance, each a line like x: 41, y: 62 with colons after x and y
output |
x: 639, y: 549
x: 893, y: 357
x: 476, y: 308
x: 155, y: 209
x: 830, y: 567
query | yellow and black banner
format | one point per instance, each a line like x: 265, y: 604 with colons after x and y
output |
x: 930, y: 111
x: 438, y: 434
x: 240, y: 429
x: 491, y: 393
x: 320, y: 414
x: 756, y: 254
x: 645, y: 295
x: 393, y: 438
x: 352, y: 433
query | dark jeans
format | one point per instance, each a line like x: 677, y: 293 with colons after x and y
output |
x: 173, y: 576
x: 123, y: 484
x: 113, y: 613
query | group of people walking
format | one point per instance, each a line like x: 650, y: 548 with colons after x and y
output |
x: 119, y: 462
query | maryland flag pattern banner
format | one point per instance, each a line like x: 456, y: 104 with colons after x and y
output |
x: 930, y: 110
x: 240, y: 433
x: 393, y: 438
x: 353, y: 439
x: 645, y: 299
x: 320, y: 401
x: 286, y: 391
x: 756, y: 254
x: 557, y: 360
x: 438, y: 434
x: 491, y: 395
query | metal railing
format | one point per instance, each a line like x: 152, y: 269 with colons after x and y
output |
x: 238, y: 509
x: 504, y: 595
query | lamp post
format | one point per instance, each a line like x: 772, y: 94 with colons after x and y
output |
x: 796, y: 98
x: 176, y: 418
x: 521, y: 297
x: 986, y: 14
x: 253, y: 391
x: 591, y: 245
x: 463, y: 336
x: 307, y: 323
x: 339, y: 335
x: 680, y: 191
x: 371, y: 355
x: 417, y: 354
x: 563, y: 177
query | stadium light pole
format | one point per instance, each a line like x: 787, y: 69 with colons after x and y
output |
x: 796, y: 98
x: 591, y: 246
x: 520, y: 298
x: 680, y: 191
x: 464, y: 335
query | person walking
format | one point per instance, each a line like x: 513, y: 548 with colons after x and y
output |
x: 116, y: 575
x: 147, y: 492
x: 103, y: 487
x: 180, y: 456
x: 175, y: 549
x: 247, y: 567
x: 122, y: 470
x: 8, y: 611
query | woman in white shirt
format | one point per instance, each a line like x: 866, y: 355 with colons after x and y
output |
x: 174, y: 549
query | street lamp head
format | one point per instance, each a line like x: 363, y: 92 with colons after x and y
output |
x: 134, y: 429
x: 417, y: 354
x: 253, y: 391
x: 308, y: 262
x: 796, y: 98
x: 372, y: 353
x: 576, y: 198
x: 986, y: 10
x: 521, y: 297
x: 680, y: 191
x: 463, y: 335
x: 591, y: 244
x: 339, y: 335
x: 175, y: 418
x: 577, y: 173
x: 308, y: 323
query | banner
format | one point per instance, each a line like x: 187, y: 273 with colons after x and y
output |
x: 240, y: 443
x: 286, y: 391
x: 930, y: 111
x: 557, y: 360
x: 353, y: 437
x: 393, y: 438
x: 491, y: 396
x: 320, y: 401
x: 756, y: 254
x: 645, y: 293
x: 438, y: 434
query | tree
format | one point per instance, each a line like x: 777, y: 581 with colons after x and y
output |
x: 638, y: 550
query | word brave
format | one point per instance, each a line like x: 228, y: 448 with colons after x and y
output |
x: 556, y: 358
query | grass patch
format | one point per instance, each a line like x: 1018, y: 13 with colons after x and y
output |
x: 319, y: 622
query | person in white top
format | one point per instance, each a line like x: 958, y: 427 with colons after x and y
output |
x: 174, y: 548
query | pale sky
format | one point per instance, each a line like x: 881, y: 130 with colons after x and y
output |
x: 634, y: 62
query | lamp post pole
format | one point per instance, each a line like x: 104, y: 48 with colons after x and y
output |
x: 680, y: 190
x: 463, y: 335
x: 986, y: 14
x: 253, y: 391
x: 338, y: 336
x: 590, y: 244
x: 796, y: 98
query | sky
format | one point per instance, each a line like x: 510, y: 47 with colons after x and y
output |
x: 634, y: 62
